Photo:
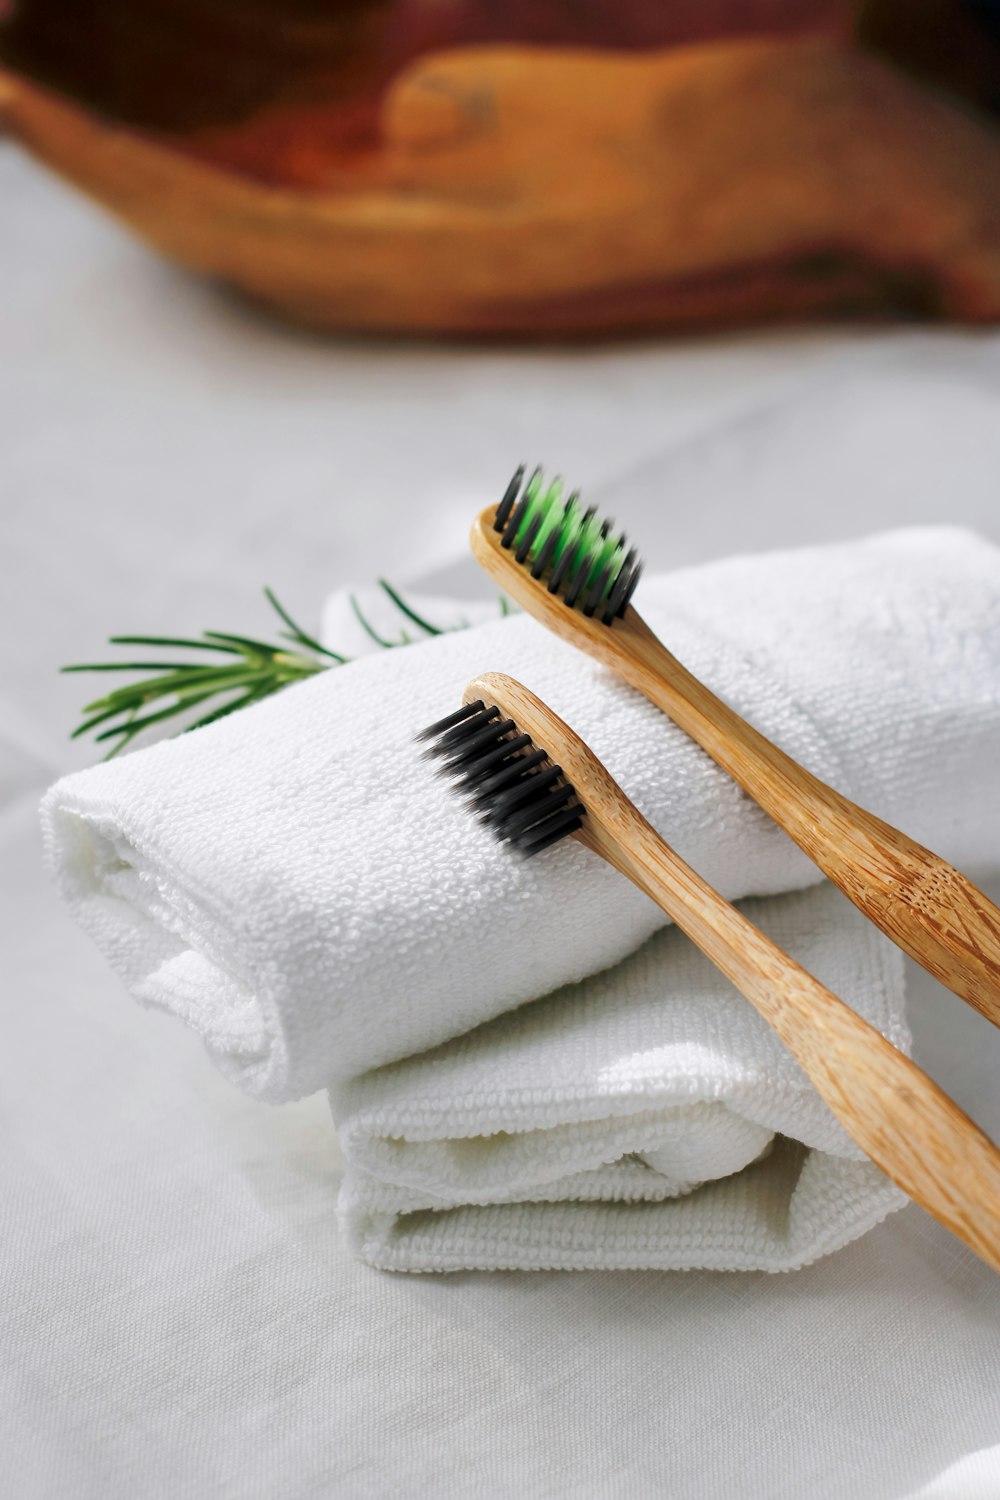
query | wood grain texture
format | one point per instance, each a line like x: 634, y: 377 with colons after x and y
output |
x: 936, y: 915
x: 556, y: 191
x: 899, y: 1117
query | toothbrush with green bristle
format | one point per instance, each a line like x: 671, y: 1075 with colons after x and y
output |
x: 570, y: 569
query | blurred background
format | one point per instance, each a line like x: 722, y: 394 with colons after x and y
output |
x: 535, y: 170
x: 290, y: 288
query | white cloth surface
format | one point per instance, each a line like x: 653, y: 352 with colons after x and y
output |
x: 627, y: 1122
x: 178, y: 1318
x: 296, y: 885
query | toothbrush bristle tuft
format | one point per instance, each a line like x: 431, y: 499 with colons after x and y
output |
x: 510, y: 784
x: 573, y: 551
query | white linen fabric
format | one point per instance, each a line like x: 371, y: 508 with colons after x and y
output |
x: 644, y: 1119
x: 179, y: 1319
x: 296, y: 885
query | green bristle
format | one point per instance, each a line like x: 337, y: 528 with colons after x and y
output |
x: 544, y: 502
x: 531, y: 494
x: 590, y: 542
x: 569, y: 526
x: 610, y: 548
x: 552, y: 508
x: 579, y: 540
x: 586, y: 539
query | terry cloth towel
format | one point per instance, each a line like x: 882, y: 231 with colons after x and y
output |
x: 646, y: 1118
x: 297, y: 885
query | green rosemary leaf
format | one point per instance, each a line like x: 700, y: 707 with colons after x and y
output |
x: 298, y: 634
x: 408, y: 609
x: 92, y: 723
x: 183, y: 684
x: 126, y: 738
x: 243, y: 643
x: 255, y: 694
x: 368, y: 628
x: 133, y: 666
x: 135, y: 725
x: 286, y: 635
x: 166, y: 640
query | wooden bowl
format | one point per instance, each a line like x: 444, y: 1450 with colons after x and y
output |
x: 516, y: 188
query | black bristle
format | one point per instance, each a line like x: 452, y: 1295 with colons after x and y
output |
x: 542, y: 835
x: 521, y: 509
x: 507, y: 503
x: 562, y: 567
x: 634, y: 577
x: 525, y: 544
x: 459, y: 734
x: 576, y: 584
x: 580, y: 573
x: 465, y: 712
x: 537, y: 810
x: 472, y: 771
x: 513, y: 788
x: 484, y: 738
x: 471, y: 724
x: 492, y: 785
x: 545, y: 555
x: 620, y: 592
x: 526, y: 789
x: 596, y: 594
x: 518, y: 515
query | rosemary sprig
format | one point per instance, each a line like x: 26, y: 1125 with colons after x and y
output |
x: 243, y: 671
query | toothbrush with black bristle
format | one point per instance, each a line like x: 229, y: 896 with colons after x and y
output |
x: 533, y: 782
x: 576, y: 574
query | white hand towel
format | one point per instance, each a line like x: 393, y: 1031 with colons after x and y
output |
x: 646, y: 1118
x: 295, y: 884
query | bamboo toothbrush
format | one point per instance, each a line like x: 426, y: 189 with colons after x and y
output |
x: 532, y: 797
x: 549, y: 553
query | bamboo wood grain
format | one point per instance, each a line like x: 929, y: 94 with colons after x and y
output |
x: 899, y: 1117
x: 923, y: 903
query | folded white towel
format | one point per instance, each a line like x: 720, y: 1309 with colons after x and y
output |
x: 645, y: 1118
x: 296, y: 885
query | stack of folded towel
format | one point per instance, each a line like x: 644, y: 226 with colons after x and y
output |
x: 526, y: 1067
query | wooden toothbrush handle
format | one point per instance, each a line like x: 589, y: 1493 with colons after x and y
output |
x: 903, y: 1121
x: 898, y: 1116
x: 923, y: 903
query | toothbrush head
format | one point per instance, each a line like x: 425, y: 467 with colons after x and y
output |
x: 507, y: 781
x: 577, y: 555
